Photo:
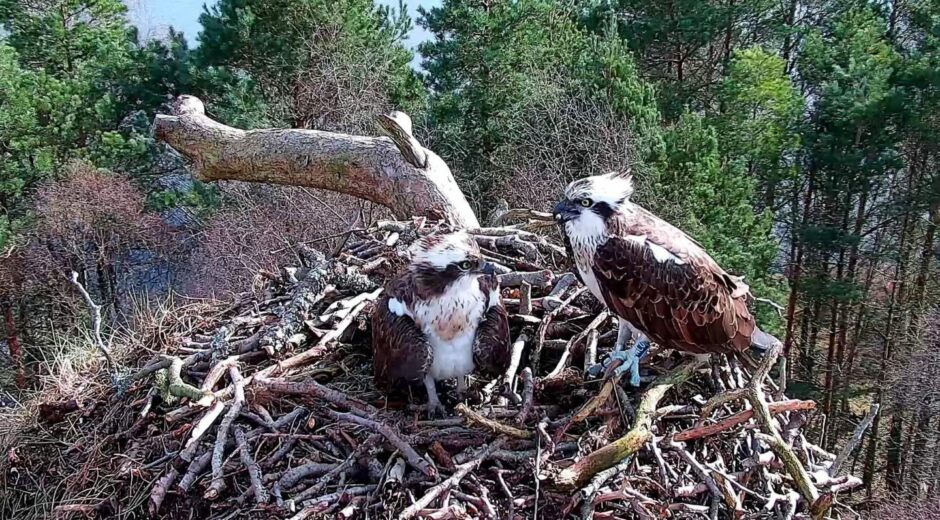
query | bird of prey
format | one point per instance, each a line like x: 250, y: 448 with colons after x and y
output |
x: 659, y: 281
x: 442, y: 318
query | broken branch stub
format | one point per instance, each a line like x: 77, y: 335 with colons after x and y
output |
x: 395, y: 172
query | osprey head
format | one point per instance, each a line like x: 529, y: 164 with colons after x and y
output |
x: 594, y: 198
x: 441, y: 259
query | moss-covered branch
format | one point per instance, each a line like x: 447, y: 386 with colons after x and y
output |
x: 580, y: 473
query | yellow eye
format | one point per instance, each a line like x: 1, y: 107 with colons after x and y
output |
x: 465, y: 265
x: 586, y: 202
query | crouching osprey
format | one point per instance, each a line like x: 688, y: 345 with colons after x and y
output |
x: 653, y: 276
x: 441, y: 319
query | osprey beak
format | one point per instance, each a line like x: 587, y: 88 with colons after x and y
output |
x: 565, y: 211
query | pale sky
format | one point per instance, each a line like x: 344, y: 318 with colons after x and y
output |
x: 153, y: 17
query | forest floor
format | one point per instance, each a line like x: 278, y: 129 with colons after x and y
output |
x: 264, y: 407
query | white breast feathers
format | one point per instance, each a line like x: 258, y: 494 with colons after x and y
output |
x: 586, y: 234
x: 450, y: 322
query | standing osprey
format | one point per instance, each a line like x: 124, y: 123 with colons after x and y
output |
x: 653, y: 276
x: 441, y: 319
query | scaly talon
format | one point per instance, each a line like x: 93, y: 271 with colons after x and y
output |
x: 630, y: 361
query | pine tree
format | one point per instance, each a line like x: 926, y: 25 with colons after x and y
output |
x: 520, y: 90
x: 270, y: 54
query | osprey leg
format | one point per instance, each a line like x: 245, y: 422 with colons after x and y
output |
x: 625, y: 332
x: 435, y: 408
x: 629, y: 358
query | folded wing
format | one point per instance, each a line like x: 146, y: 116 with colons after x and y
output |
x: 401, y: 351
x: 491, y: 349
x: 654, y: 276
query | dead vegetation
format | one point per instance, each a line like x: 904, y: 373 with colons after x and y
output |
x: 264, y: 407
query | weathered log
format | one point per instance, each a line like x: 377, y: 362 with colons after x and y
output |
x: 395, y: 172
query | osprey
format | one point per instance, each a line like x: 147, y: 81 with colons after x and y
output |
x: 441, y: 319
x: 659, y: 281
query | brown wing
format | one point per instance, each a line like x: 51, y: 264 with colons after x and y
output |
x: 491, y: 350
x: 400, y: 350
x: 687, y: 302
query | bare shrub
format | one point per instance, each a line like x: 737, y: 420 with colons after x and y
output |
x: 343, y: 86
x: 260, y: 227
x: 557, y: 138
x: 90, y: 221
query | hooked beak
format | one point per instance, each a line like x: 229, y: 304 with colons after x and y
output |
x: 564, y: 211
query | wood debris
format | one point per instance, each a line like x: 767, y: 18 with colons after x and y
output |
x: 269, y: 410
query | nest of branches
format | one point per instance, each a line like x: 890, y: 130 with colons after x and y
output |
x: 266, y: 409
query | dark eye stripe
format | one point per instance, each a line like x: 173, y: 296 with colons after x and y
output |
x: 603, y: 209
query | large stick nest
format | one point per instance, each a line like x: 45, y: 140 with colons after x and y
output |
x: 265, y: 408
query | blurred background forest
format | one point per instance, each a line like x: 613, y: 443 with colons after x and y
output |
x: 797, y: 140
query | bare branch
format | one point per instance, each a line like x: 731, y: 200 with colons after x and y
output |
x: 455, y: 479
x: 854, y: 441
x: 95, y: 310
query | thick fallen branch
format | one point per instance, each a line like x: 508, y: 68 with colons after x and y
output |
x: 534, y: 279
x: 218, y: 480
x: 160, y: 489
x: 311, y: 469
x: 528, y: 396
x: 196, y: 467
x: 417, y: 182
x: 176, y: 387
x: 313, y: 389
x: 320, y: 504
x: 536, y: 356
x: 854, y: 440
x: 515, y: 358
x: 200, y: 429
x: 415, y: 460
x: 578, y: 474
x: 254, y: 471
x: 563, y: 360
